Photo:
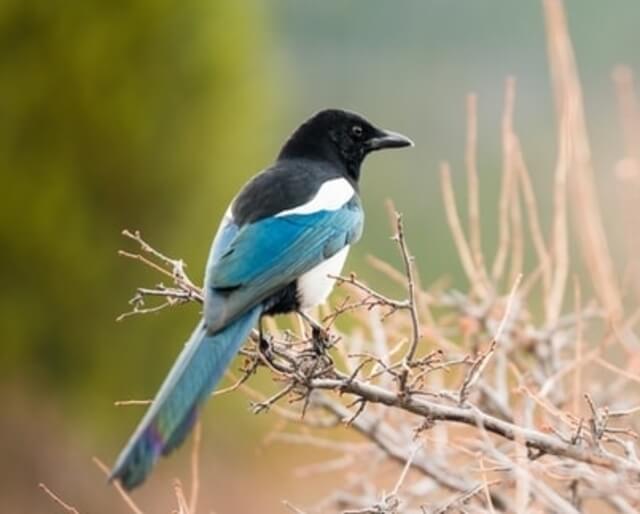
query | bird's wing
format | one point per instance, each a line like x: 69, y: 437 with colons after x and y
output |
x: 269, y: 254
x: 227, y: 231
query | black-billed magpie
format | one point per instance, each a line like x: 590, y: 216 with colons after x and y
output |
x: 286, y: 231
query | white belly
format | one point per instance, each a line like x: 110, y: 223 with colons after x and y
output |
x: 315, y: 285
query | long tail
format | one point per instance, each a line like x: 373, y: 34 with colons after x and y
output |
x: 175, y: 408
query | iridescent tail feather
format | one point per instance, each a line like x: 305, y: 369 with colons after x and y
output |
x: 175, y: 408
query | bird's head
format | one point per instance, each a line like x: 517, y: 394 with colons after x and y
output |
x: 341, y: 137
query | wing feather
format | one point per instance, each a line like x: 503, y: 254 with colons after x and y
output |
x: 271, y: 253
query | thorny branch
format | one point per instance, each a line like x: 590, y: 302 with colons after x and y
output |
x: 407, y: 260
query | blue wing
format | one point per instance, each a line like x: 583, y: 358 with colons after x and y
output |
x: 269, y: 254
x: 225, y: 235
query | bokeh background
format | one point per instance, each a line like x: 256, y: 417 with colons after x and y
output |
x: 149, y: 115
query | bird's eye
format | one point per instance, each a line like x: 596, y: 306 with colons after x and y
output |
x: 357, y: 131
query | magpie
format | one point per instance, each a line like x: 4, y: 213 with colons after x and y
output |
x: 285, y: 232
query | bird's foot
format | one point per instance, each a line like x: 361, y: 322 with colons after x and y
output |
x: 320, y: 336
x: 320, y: 339
x: 264, y: 347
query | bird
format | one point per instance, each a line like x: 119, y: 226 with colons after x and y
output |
x: 284, y: 234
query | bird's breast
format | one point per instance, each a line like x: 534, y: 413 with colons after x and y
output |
x: 314, y: 286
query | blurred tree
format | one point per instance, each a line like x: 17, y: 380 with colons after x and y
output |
x: 113, y: 115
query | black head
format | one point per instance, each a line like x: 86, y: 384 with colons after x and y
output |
x: 340, y: 137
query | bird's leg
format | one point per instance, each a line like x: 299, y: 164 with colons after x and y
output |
x: 319, y: 335
x: 264, y: 345
x: 270, y: 355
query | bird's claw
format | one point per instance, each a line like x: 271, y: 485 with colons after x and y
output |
x: 320, y: 339
x: 264, y: 347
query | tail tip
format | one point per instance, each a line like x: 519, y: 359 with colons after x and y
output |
x: 126, y: 479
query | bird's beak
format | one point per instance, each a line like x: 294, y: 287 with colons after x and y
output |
x: 388, y: 139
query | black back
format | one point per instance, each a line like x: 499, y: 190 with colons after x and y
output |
x: 324, y: 147
x: 285, y: 185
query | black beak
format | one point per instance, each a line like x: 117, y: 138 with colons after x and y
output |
x: 388, y: 139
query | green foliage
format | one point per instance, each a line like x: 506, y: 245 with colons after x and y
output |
x: 114, y: 115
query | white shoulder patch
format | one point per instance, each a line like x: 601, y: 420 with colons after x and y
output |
x: 332, y: 195
x: 228, y: 215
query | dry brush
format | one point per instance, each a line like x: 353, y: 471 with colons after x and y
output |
x: 519, y: 394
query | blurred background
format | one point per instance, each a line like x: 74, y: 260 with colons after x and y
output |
x: 150, y: 115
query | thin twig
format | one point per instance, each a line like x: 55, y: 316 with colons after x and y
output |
x: 457, y: 232
x: 57, y: 499
x: 473, y: 195
x: 507, y: 178
x: 123, y: 494
x: 413, y: 305
x: 483, y: 359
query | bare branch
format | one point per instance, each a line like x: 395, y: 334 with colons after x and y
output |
x: 57, y: 499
